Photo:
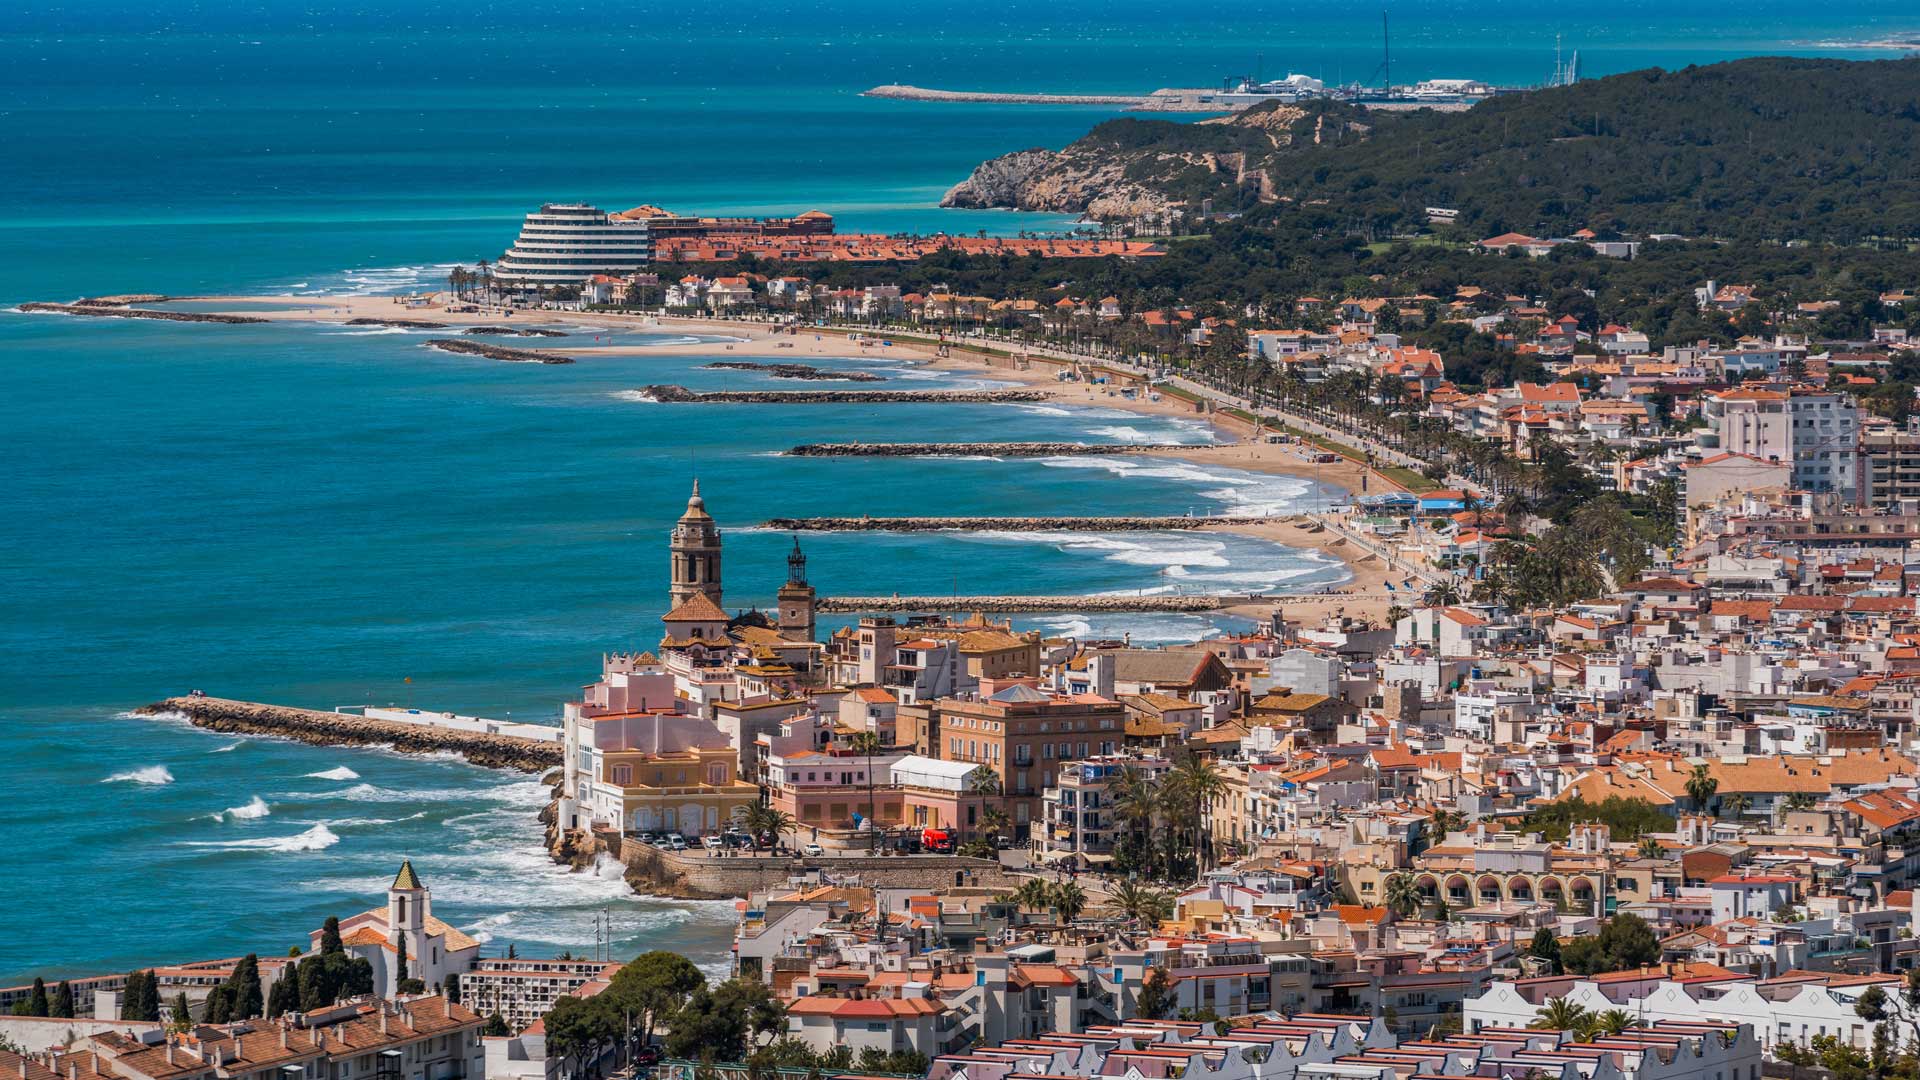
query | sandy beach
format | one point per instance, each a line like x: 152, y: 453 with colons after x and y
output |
x: 1365, y: 597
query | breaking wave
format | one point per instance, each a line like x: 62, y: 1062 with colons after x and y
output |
x: 254, y: 809
x: 227, y: 749
x: 152, y: 774
x: 317, y: 838
x: 340, y: 773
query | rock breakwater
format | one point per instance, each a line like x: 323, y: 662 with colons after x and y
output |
x: 976, y: 449
x: 344, y: 729
x: 514, y: 331
x: 677, y: 395
x: 1008, y: 604
x: 497, y: 352
x: 118, y: 310
x: 1005, y: 524
x: 404, y: 324
x: 796, y: 371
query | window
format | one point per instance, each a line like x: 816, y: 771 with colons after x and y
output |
x: 623, y: 775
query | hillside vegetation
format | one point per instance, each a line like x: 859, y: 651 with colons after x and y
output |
x: 1767, y: 149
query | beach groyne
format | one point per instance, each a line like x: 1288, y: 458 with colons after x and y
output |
x: 513, y: 331
x: 680, y: 395
x: 497, y: 352
x: 1012, y: 604
x: 900, y: 92
x: 119, y: 310
x: 1006, y: 524
x: 977, y: 449
x: 345, y: 729
x: 795, y: 371
x: 404, y: 324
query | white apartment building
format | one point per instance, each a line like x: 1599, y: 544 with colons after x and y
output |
x: 568, y: 243
x: 1077, y: 812
x: 1817, y: 432
x: 523, y: 990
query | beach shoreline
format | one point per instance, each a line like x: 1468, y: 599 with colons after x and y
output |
x: 1363, y: 597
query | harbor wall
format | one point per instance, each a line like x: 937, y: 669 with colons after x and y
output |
x: 345, y: 729
x: 1007, y: 524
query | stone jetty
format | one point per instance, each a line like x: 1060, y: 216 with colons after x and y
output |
x: 496, y: 352
x: 404, y: 324
x: 514, y: 331
x: 345, y: 729
x: 988, y: 449
x: 1008, y: 604
x: 921, y: 93
x: 120, y: 311
x: 796, y: 371
x: 677, y: 395
x: 1006, y: 524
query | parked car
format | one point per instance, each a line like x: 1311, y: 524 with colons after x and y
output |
x: 711, y: 843
x: 1002, y: 843
x: 675, y: 842
x: 813, y: 851
x: 649, y: 838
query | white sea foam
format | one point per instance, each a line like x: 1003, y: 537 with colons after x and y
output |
x: 376, y: 332
x: 227, y: 749
x: 317, y: 838
x: 638, y: 396
x: 1242, y: 494
x: 1123, y: 433
x: 338, y: 773
x: 1043, y: 410
x: 254, y: 809
x: 151, y: 774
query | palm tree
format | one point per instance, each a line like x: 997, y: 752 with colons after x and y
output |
x: 995, y: 821
x: 868, y: 743
x: 1143, y: 906
x: 1650, y: 849
x: 1135, y: 802
x: 983, y: 781
x: 1033, y: 894
x: 1700, y: 787
x: 1558, y: 1014
x: 1735, y: 805
x: 1444, y: 593
x: 1199, y: 782
x: 1615, y: 1021
x: 1402, y: 895
x: 1068, y: 899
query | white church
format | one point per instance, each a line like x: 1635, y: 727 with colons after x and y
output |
x: 434, y: 950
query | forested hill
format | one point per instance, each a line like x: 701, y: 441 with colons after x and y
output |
x: 1766, y: 149
x: 1769, y: 149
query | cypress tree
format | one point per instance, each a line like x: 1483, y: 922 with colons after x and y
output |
x: 285, y: 995
x: 37, y: 1003
x: 248, y: 1000
x: 149, y: 997
x: 400, y: 965
x: 62, y: 1000
x: 452, y: 987
x: 182, y: 1012
x: 330, y: 942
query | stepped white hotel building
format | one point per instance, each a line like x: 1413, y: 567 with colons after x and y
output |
x: 568, y: 243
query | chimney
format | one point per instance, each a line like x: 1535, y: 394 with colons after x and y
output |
x: 23, y: 1065
x: 383, y: 1017
x: 285, y: 1044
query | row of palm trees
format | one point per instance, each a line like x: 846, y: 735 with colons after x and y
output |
x: 1561, y: 1014
x: 1165, y: 819
x: 1064, y: 899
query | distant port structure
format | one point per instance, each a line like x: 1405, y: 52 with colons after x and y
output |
x: 1237, y: 92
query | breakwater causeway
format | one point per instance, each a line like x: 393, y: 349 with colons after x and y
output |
x: 118, y: 311
x: 497, y: 352
x: 678, y: 395
x: 987, y: 449
x: 515, y: 331
x: 920, y: 93
x: 1005, y: 524
x: 796, y: 371
x: 1010, y: 604
x: 345, y: 729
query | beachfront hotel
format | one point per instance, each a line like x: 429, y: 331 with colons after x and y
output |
x: 568, y: 243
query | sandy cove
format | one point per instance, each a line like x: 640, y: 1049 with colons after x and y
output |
x: 1364, y: 597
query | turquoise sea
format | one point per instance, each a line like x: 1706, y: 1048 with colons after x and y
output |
x: 306, y: 514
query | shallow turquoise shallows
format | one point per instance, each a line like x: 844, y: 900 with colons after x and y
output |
x: 311, y: 515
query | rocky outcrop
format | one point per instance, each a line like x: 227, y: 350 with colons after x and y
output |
x: 117, y: 311
x: 514, y: 331
x: 1005, y: 524
x: 404, y: 324
x: 797, y: 371
x: 345, y: 729
x: 1126, y: 169
x: 122, y: 300
x: 668, y: 394
x: 497, y: 352
x: 979, y: 449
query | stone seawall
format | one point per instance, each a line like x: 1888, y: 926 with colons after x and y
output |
x: 1008, y: 604
x: 678, y: 395
x: 980, y: 449
x: 920, y: 93
x: 1006, y: 524
x: 344, y: 729
x: 496, y: 352
x: 116, y: 311
x: 403, y: 324
x: 796, y: 371
x: 514, y: 331
x: 698, y: 876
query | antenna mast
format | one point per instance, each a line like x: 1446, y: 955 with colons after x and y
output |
x: 1386, y: 57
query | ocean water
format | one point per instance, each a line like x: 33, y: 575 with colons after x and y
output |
x: 311, y: 515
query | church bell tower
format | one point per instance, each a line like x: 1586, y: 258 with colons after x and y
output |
x: 695, y: 553
x: 796, y: 598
